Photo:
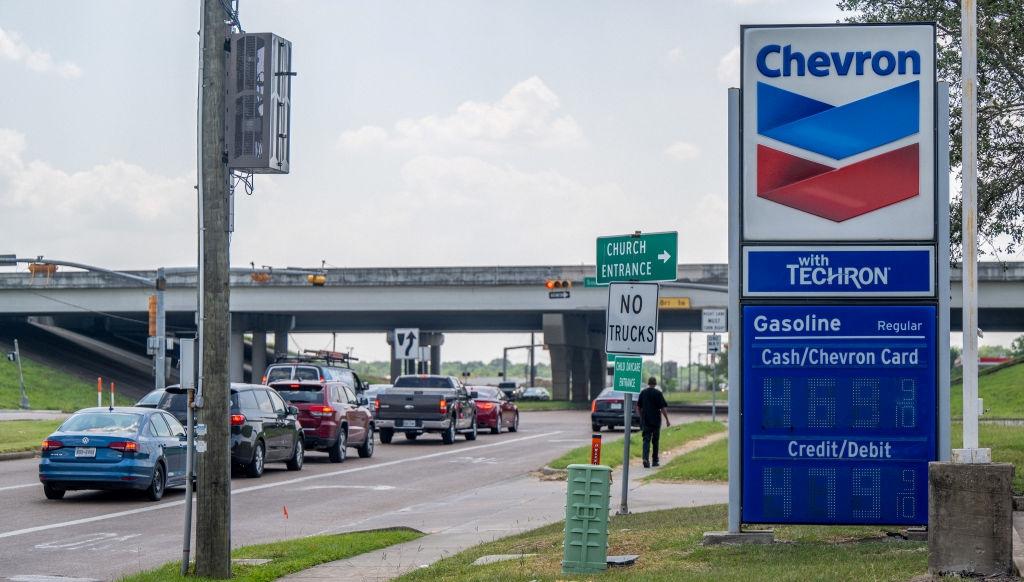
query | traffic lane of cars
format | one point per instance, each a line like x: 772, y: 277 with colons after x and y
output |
x: 325, y: 496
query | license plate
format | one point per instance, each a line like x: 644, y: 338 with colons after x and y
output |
x: 616, y: 406
x: 408, y: 423
x: 88, y: 452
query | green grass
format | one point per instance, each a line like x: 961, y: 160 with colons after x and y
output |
x: 1006, y: 442
x: 1002, y: 391
x: 24, y: 435
x: 47, y: 388
x: 534, y: 405
x: 289, y: 556
x: 611, y: 451
x: 704, y: 464
x: 668, y: 543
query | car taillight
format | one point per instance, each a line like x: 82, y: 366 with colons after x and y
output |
x: 444, y: 406
x: 593, y: 406
x: 237, y: 419
x: 321, y: 411
x: 485, y: 405
x: 376, y: 405
x: 263, y: 380
x: 125, y: 446
x: 49, y: 445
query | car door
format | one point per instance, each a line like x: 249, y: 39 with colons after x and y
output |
x: 508, y: 410
x: 271, y: 424
x: 167, y: 442
x: 358, y: 417
x: 176, y: 449
x: 287, y: 426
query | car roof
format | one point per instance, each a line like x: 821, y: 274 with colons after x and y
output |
x: 124, y: 409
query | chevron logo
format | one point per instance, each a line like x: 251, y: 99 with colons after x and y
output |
x: 842, y: 191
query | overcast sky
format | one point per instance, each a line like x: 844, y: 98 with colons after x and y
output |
x: 424, y: 133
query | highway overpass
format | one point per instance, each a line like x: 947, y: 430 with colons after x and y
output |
x: 434, y: 299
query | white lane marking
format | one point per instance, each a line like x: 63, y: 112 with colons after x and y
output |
x: 96, y: 541
x: 475, y: 460
x: 370, y: 487
x: 9, y: 487
x: 38, y: 528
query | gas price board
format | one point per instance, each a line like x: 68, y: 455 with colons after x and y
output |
x: 839, y: 413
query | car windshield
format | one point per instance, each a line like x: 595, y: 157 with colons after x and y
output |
x: 173, y: 403
x: 304, y: 394
x: 487, y: 392
x: 102, y: 423
x: 609, y: 393
x: 151, y: 399
x: 423, y: 382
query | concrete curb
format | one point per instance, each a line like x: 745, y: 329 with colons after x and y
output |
x: 18, y: 455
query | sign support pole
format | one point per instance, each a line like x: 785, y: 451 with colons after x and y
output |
x: 714, y: 388
x: 735, y: 430
x: 628, y: 411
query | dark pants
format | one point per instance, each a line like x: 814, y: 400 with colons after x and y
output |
x: 651, y: 435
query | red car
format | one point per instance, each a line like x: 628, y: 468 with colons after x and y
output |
x: 333, y: 418
x: 493, y: 409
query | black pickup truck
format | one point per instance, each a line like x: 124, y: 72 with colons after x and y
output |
x: 420, y: 404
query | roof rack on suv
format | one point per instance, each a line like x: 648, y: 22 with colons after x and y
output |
x: 326, y: 356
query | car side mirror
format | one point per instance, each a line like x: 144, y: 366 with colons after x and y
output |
x: 293, y: 411
x: 474, y: 395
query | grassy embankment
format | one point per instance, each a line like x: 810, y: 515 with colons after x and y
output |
x: 534, y: 405
x: 611, y: 451
x: 47, y: 388
x: 289, y: 556
x: 668, y: 543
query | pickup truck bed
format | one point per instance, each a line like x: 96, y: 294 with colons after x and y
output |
x: 415, y: 411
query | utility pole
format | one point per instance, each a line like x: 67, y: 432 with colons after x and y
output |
x: 213, y: 510
x: 21, y: 377
x: 689, y: 364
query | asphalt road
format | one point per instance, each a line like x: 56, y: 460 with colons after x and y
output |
x: 98, y: 535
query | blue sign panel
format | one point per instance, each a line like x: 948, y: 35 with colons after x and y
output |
x: 839, y: 407
x: 839, y: 271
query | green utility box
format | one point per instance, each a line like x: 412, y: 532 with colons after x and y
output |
x: 586, y: 519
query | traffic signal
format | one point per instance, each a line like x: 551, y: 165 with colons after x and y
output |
x: 558, y: 284
x: 152, y: 316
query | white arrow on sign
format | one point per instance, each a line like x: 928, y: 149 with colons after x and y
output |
x: 406, y: 343
x: 664, y: 256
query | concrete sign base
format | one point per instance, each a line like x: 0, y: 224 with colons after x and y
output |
x: 970, y: 519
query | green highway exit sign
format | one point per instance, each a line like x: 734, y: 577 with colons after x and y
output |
x: 637, y: 257
x: 629, y: 374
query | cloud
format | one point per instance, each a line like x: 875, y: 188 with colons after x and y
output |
x: 115, y: 212
x: 12, y: 48
x: 528, y: 115
x: 682, y: 151
x: 676, y: 55
x: 729, y: 67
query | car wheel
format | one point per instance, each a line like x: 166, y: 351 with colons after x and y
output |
x: 515, y: 424
x: 496, y: 429
x: 596, y: 427
x: 411, y: 436
x: 471, y: 435
x: 298, y: 456
x: 448, y: 436
x: 53, y: 492
x: 339, y: 452
x: 366, y: 451
x: 156, y: 486
x: 259, y: 457
x: 386, y: 434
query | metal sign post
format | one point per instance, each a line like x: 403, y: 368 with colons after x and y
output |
x: 187, y: 371
x: 714, y: 347
x: 21, y: 377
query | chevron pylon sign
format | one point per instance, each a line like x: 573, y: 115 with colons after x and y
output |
x: 838, y: 132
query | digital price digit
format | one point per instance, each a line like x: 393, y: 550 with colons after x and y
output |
x: 906, y: 406
x: 822, y: 487
x: 777, y: 402
x: 821, y: 402
x: 866, y: 402
x: 866, y: 492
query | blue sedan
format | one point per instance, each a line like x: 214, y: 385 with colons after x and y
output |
x: 114, y: 448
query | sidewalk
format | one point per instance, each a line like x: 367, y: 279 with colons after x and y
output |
x: 32, y: 415
x: 530, y: 504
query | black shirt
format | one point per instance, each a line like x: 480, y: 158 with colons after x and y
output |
x: 651, y: 402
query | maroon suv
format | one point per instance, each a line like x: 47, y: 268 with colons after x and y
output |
x: 333, y: 418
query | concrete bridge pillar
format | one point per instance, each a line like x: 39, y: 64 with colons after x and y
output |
x: 598, y: 372
x: 581, y: 374
x: 236, y: 350
x: 280, y: 344
x: 559, y: 371
x: 568, y: 338
x: 259, y: 355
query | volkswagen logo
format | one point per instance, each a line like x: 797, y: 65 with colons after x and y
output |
x: 85, y: 440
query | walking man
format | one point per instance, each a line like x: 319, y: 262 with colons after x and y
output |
x: 652, y: 407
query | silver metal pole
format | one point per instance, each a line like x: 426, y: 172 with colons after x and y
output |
x: 661, y: 369
x: 714, y: 388
x: 628, y: 412
x: 186, y: 545
x: 735, y: 386
x: 21, y: 377
x: 969, y: 44
x: 945, y: 447
x: 160, y: 358
x: 689, y: 364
